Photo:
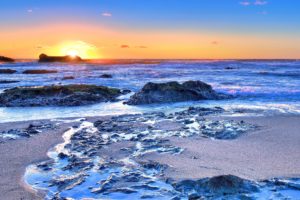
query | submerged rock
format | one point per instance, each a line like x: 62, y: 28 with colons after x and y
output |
x: 7, y: 71
x: 57, y: 95
x: 68, y: 78
x: 45, y: 58
x: 39, y: 71
x: 7, y: 81
x: 174, y: 92
x: 6, y: 59
x: 106, y: 76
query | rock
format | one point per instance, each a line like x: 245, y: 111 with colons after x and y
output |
x: 106, y: 76
x: 7, y: 81
x: 45, y: 58
x: 217, y: 186
x: 174, y: 92
x: 68, y: 78
x: 7, y: 71
x: 57, y: 95
x: 6, y: 59
x: 39, y: 71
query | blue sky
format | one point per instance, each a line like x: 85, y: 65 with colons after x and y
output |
x: 278, y: 19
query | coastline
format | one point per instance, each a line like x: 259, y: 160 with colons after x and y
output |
x: 16, y: 155
x: 250, y: 156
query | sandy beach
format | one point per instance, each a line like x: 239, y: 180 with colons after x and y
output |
x: 16, y: 155
x: 270, y: 151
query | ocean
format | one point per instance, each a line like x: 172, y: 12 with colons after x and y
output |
x: 259, y: 87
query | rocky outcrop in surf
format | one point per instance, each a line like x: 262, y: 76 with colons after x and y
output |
x: 6, y: 59
x: 39, y: 71
x: 174, y: 92
x: 7, y: 71
x: 46, y: 58
x: 57, y: 95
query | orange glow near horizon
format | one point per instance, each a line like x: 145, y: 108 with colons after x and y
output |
x: 95, y: 42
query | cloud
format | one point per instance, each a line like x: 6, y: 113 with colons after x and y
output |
x: 215, y: 42
x: 256, y: 3
x: 124, y: 46
x: 245, y: 3
x: 29, y: 10
x: 141, y: 47
x: 260, y: 2
x: 106, y: 14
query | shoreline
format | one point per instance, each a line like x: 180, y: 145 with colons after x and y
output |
x: 34, y: 149
x: 18, y: 154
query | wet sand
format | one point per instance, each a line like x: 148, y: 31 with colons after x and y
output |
x: 271, y: 151
x: 16, y: 155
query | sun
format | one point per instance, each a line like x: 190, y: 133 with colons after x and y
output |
x: 72, y: 52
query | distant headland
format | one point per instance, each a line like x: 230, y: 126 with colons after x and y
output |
x: 68, y: 58
x: 6, y: 59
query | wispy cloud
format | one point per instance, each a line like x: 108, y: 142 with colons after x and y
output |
x: 260, y: 2
x: 245, y: 3
x: 124, y: 46
x: 141, y: 47
x: 29, y: 10
x: 256, y: 3
x: 215, y: 42
x: 106, y: 14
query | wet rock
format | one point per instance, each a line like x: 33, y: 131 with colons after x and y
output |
x: 39, y: 71
x: 57, y: 95
x: 68, y: 78
x: 7, y: 71
x: 174, y: 92
x: 217, y: 186
x: 45, y: 58
x: 8, y: 81
x: 6, y: 59
x: 106, y: 76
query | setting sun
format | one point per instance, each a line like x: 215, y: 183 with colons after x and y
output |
x: 73, y: 52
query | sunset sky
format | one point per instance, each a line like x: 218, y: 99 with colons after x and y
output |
x: 201, y: 29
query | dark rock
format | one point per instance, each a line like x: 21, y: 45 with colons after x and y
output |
x: 7, y: 81
x: 39, y: 71
x: 68, y: 78
x: 7, y: 71
x: 45, y: 58
x: 217, y: 186
x: 106, y: 76
x: 6, y: 59
x: 174, y: 92
x: 126, y: 91
x: 57, y: 95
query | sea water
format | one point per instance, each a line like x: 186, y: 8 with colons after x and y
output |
x: 259, y: 87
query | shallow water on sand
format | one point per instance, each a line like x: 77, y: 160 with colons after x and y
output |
x: 267, y: 87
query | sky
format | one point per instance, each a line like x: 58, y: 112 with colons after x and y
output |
x: 155, y: 29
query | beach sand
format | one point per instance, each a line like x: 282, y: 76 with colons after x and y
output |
x: 271, y: 151
x: 16, y: 155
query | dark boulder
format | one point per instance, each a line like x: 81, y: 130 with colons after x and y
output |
x: 7, y: 81
x: 45, y: 58
x: 68, y: 78
x: 57, y: 95
x: 106, y: 76
x: 7, y: 71
x: 217, y: 186
x: 39, y: 71
x: 6, y: 59
x: 174, y: 92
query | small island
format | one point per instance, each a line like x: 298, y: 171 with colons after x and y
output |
x: 68, y: 58
x: 6, y: 59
